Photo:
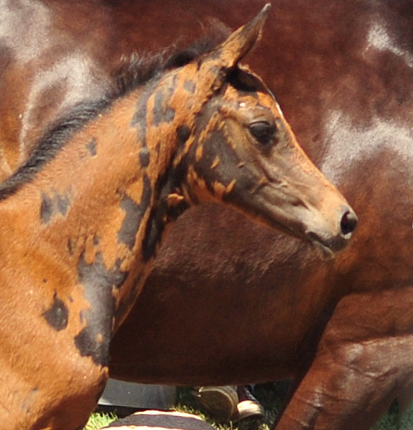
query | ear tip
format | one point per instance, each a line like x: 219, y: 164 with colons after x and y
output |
x: 240, y: 42
x: 262, y: 16
x: 266, y: 8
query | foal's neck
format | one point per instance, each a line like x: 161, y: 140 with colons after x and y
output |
x: 102, y: 203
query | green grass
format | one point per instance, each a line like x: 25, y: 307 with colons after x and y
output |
x: 97, y: 421
x: 392, y: 421
x: 271, y: 399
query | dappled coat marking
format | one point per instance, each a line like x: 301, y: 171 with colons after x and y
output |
x: 82, y: 220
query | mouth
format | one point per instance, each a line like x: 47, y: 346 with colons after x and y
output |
x: 326, y: 248
x: 297, y: 220
x: 323, y: 251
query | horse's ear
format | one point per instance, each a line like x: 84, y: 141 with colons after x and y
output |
x: 240, y: 42
x: 214, y: 66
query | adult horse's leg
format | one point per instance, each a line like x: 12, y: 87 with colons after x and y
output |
x: 355, y: 376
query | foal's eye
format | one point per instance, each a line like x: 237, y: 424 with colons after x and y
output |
x: 264, y: 132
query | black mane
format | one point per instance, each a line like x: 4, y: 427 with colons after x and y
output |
x: 139, y: 69
x: 134, y: 72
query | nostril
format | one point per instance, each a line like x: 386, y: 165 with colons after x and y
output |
x: 348, y: 223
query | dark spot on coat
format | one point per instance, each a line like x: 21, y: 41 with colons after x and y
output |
x: 63, y: 204
x: 88, y: 347
x: 51, y: 205
x: 57, y: 316
x: 189, y: 86
x: 153, y: 234
x: 139, y: 119
x: 141, y: 111
x: 46, y: 209
x: 217, y: 70
x: 162, y: 112
x: 144, y: 157
x: 92, y: 147
x: 98, y: 282
x: 161, y: 213
x: 183, y: 134
x: 70, y: 246
x: 134, y: 214
x: 226, y: 171
x: 158, y: 148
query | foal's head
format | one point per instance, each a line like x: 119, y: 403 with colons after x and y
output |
x: 235, y: 146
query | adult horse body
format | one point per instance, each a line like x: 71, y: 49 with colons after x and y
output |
x: 262, y: 307
x: 248, y: 305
